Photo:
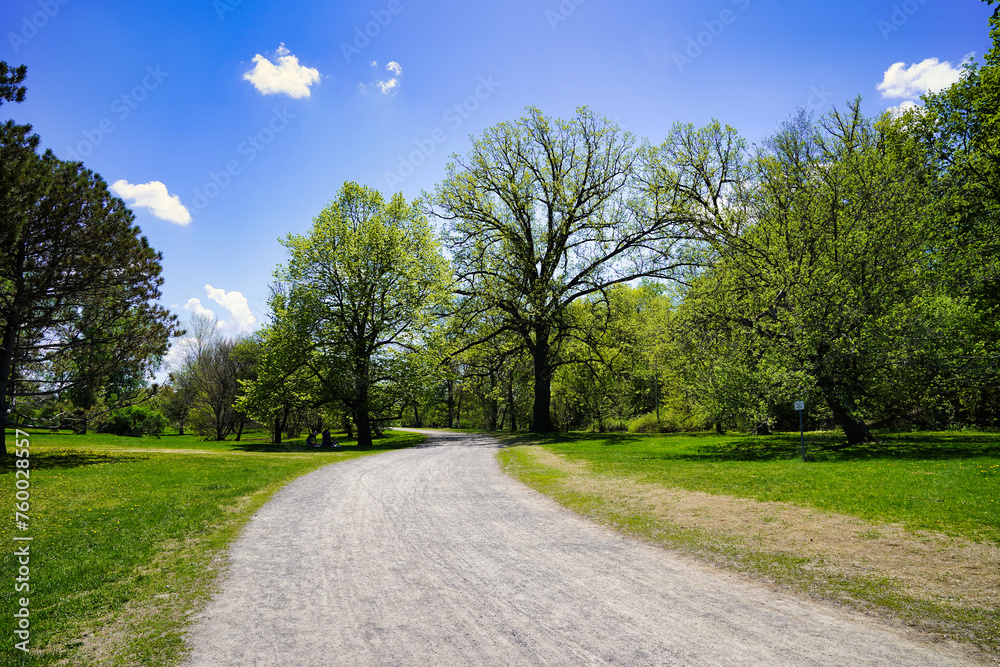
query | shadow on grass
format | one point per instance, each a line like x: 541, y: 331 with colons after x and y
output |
x: 705, y: 447
x: 68, y: 459
x: 896, y: 446
x: 510, y: 439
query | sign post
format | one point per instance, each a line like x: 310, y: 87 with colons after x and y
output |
x: 800, y: 406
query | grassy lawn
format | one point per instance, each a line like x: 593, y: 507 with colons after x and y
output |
x: 129, y: 534
x: 894, y: 528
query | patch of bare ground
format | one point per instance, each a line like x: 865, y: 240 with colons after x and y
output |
x: 925, y: 566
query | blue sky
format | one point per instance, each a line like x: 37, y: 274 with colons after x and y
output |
x: 227, y: 124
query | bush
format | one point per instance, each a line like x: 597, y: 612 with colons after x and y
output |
x: 647, y: 424
x: 134, y: 421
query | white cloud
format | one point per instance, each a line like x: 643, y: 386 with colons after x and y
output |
x: 154, y: 196
x: 909, y: 83
x: 902, y: 108
x: 241, y: 320
x: 194, y: 305
x: 288, y: 76
x: 389, y: 85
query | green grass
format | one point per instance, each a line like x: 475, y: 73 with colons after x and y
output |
x: 127, y: 539
x: 945, y: 482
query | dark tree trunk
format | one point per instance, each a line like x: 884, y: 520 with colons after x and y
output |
x: 276, y: 434
x: 6, y: 366
x: 841, y: 405
x: 719, y: 429
x: 364, y: 428
x: 239, y: 432
x: 541, y: 409
x: 451, y: 402
x: 510, y: 403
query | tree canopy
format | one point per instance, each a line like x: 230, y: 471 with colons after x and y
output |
x: 77, y: 280
x: 542, y: 213
x: 357, y: 298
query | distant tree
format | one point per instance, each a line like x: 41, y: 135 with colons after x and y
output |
x: 75, y: 274
x: 542, y: 213
x: 209, y: 374
x: 361, y: 289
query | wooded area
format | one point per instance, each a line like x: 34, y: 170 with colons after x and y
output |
x: 582, y: 279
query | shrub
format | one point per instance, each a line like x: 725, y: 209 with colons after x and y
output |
x: 134, y: 421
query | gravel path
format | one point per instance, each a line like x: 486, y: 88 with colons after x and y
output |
x: 432, y: 556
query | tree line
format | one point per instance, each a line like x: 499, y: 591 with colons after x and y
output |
x: 582, y: 278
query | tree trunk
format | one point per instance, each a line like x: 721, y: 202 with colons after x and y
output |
x: 541, y: 410
x: 6, y: 366
x: 451, y: 402
x: 719, y: 429
x: 276, y: 435
x: 841, y: 403
x: 239, y: 432
x: 364, y: 428
x: 510, y: 403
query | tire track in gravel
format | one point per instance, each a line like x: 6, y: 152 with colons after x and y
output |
x: 432, y: 556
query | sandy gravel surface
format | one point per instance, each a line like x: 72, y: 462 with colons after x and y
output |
x: 432, y: 556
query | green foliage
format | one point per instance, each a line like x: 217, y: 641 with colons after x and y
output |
x: 134, y: 421
x: 542, y: 213
x: 352, y: 306
x: 81, y: 320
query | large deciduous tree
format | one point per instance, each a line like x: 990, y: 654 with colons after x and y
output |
x: 361, y: 287
x: 77, y: 281
x: 826, y: 252
x: 544, y: 212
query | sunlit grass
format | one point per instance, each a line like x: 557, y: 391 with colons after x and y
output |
x: 946, y: 482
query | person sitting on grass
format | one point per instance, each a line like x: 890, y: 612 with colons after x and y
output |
x: 327, y: 440
x: 311, y: 439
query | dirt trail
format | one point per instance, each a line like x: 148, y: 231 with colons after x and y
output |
x: 432, y: 556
